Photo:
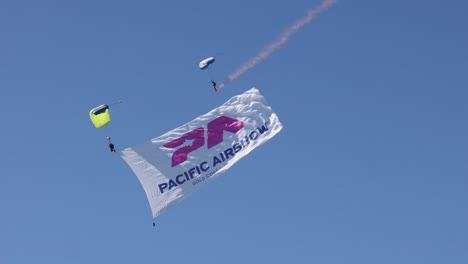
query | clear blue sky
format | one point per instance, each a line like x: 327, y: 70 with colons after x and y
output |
x: 371, y: 166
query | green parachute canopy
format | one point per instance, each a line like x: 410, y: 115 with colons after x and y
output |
x: 100, y: 115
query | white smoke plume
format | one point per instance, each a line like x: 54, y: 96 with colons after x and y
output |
x: 282, y: 39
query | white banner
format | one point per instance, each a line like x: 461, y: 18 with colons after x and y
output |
x: 176, y: 164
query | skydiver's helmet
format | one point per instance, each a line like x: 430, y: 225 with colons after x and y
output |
x: 108, y: 138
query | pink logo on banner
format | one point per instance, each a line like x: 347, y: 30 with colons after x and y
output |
x: 216, y: 129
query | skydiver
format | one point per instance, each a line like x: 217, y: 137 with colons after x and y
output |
x: 111, y: 147
x: 214, y: 85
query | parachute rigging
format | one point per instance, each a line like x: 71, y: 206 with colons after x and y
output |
x: 100, y: 116
x: 204, y: 64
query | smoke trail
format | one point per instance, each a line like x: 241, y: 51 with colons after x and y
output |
x: 283, y: 38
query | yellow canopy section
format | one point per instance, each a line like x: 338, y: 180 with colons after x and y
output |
x: 100, y: 116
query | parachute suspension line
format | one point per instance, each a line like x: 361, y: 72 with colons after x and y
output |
x: 106, y: 129
x: 107, y: 133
